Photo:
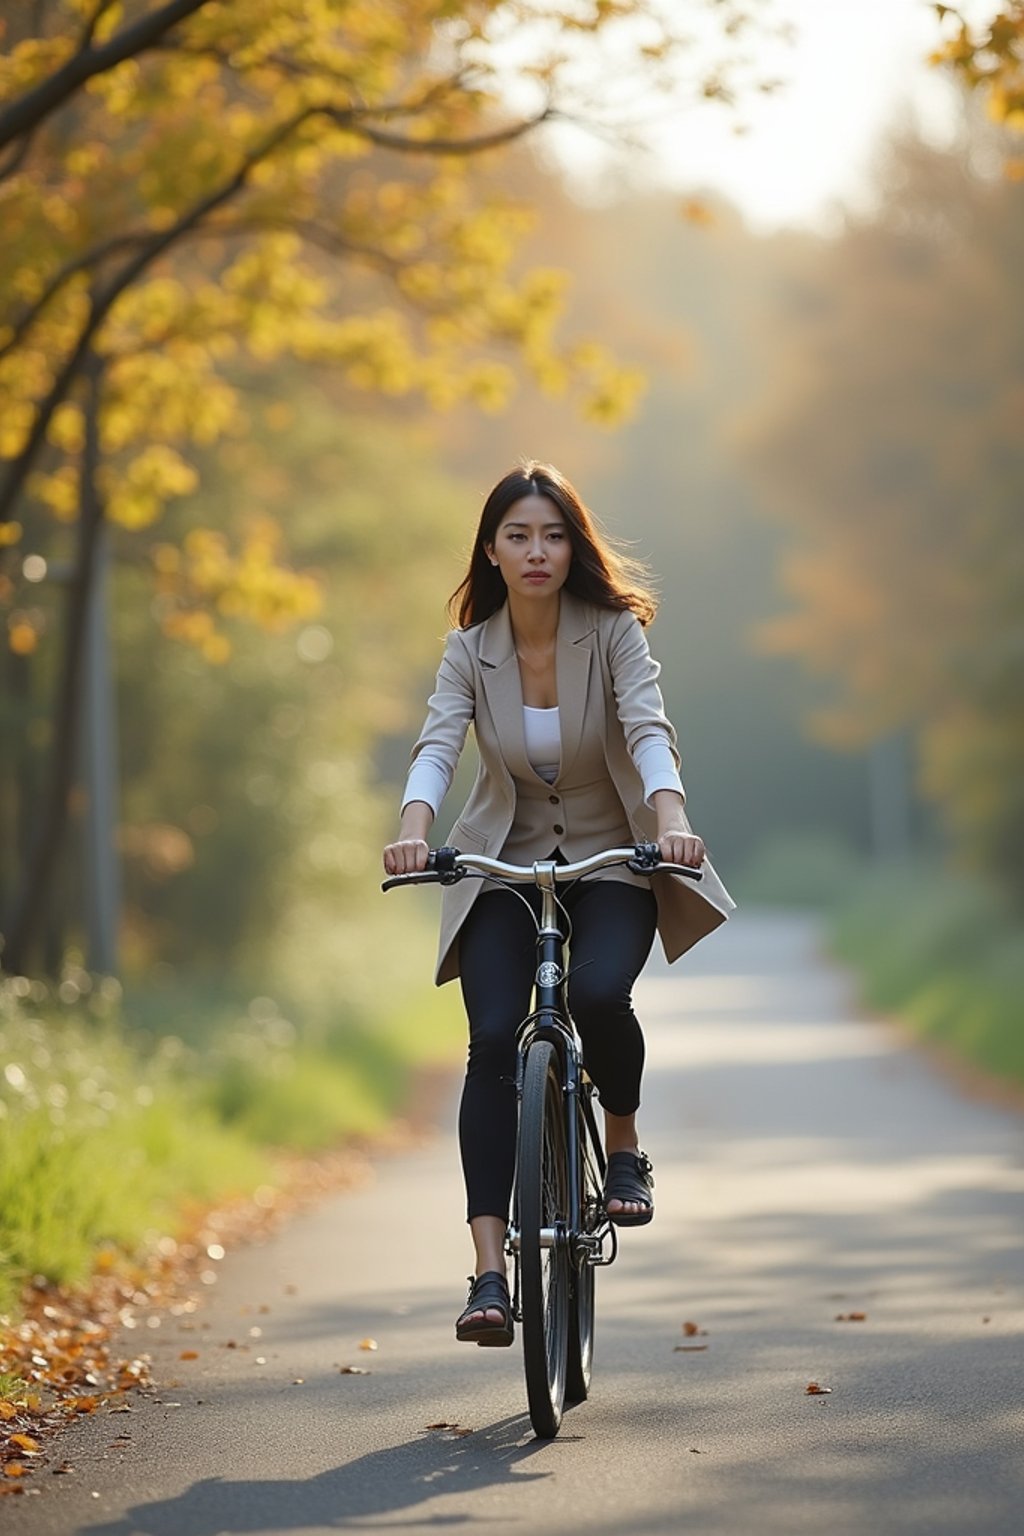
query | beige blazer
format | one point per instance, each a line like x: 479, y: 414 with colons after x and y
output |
x: 605, y: 670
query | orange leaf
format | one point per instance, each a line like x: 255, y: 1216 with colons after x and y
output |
x: 189, y: 1354
x: 367, y: 1343
x: 813, y: 1388
x: 8, y: 1411
x: 24, y: 1442
x: 14, y: 1469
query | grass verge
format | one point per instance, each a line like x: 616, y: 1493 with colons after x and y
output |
x: 112, y: 1126
x: 946, y: 956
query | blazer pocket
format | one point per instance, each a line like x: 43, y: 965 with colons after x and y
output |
x: 466, y: 839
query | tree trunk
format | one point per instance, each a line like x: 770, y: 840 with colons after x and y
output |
x: 34, y: 894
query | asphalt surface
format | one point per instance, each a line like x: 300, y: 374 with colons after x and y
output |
x: 809, y: 1165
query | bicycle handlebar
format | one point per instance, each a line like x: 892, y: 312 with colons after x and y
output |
x: 446, y: 866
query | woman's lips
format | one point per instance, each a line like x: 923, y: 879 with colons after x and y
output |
x: 538, y: 576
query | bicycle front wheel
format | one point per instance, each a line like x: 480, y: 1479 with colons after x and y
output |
x: 543, y: 1210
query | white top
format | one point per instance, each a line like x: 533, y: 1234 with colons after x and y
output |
x: 543, y: 733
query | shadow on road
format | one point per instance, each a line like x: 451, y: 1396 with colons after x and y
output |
x: 403, y: 1477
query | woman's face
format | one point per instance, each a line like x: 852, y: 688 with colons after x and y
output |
x: 532, y: 548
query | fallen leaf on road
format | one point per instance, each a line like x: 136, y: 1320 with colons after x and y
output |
x: 814, y: 1389
x: 189, y: 1354
x: 353, y: 1370
x: 692, y: 1328
x: 8, y: 1411
x: 367, y: 1343
x: 688, y: 1349
x: 24, y: 1442
x: 443, y: 1424
x: 851, y: 1317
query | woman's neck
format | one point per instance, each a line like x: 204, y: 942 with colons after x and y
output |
x: 534, y: 624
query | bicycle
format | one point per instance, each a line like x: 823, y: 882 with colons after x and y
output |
x: 559, y: 1231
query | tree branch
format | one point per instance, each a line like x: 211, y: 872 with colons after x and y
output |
x: 20, y: 467
x: 105, y: 299
x: 18, y: 156
x: 475, y: 146
x: 69, y: 270
x: 29, y: 110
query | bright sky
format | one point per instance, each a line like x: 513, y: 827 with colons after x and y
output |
x: 855, y: 68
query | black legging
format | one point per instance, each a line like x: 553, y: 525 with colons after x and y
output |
x: 613, y: 928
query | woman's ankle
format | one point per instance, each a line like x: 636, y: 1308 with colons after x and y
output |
x: 620, y: 1134
x: 488, y: 1234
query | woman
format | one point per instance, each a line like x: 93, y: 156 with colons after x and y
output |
x: 550, y: 665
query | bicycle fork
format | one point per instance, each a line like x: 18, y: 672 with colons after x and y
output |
x: 547, y: 1021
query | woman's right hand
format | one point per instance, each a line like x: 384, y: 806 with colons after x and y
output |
x: 408, y: 856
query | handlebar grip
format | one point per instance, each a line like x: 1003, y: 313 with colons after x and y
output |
x: 690, y: 872
x: 426, y: 877
x: 441, y: 870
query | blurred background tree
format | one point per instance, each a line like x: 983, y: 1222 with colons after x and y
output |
x: 893, y: 449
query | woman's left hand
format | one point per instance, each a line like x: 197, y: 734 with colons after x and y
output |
x: 682, y: 848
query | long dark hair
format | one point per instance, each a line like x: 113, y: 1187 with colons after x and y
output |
x: 599, y: 573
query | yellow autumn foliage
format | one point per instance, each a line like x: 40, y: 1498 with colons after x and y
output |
x: 986, y: 53
x: 264, y: 180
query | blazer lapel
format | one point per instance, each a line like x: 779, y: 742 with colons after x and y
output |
x: 503, y: 688
x: 572, y: 671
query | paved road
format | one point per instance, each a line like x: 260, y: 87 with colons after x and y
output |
x: 808, y: 1166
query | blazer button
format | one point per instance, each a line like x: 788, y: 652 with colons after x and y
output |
x: 552, y: 799
x: 557, y: 829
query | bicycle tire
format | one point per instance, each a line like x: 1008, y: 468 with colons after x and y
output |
x: 542, y: 1204
x: 579, y: 1365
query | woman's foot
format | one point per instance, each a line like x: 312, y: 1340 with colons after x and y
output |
x: 627, y: 1188
x: 487, y: 1316
x: 628, y: 1206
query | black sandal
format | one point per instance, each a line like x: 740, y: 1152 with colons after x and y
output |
x: 630, y: 1177
x: 488, y: 1290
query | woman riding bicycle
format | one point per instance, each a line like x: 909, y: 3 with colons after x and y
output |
x: 551, y: 666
